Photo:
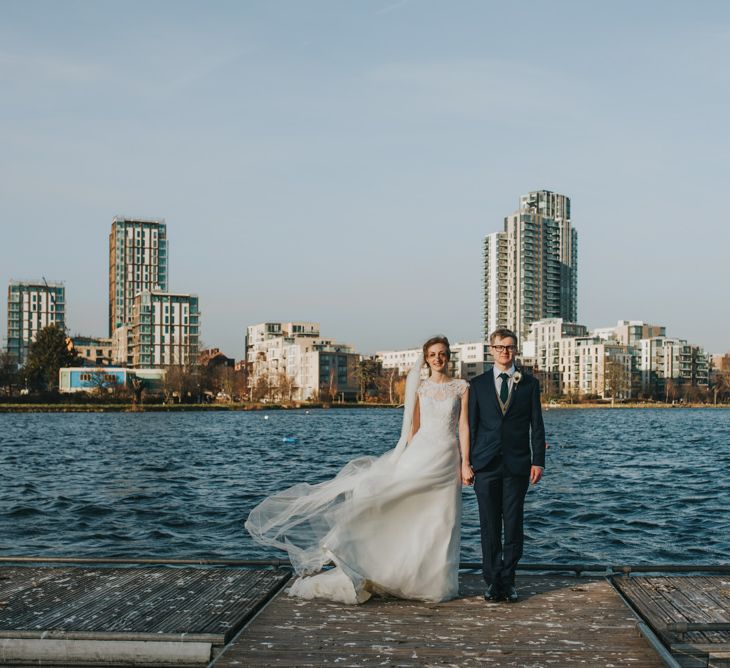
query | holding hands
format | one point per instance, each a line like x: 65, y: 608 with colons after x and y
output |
x: 467, y: 473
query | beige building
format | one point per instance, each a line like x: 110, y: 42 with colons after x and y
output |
x: 291, y: 360
x: 591, y: 366
x: 94, y: 351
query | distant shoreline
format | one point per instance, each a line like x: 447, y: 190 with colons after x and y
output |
x: 207, y: 408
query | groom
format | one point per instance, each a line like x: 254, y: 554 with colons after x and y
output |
x: 505, y: 419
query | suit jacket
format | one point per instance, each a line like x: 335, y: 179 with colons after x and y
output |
x: 510, y: 434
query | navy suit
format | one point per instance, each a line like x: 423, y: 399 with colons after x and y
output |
x: 504, y: 446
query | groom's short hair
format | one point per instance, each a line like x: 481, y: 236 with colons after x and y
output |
x: 502, y: 333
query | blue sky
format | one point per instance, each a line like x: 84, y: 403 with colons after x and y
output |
x: 342, y: 161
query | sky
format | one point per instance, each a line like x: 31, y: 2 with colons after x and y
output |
x: 341, y: 162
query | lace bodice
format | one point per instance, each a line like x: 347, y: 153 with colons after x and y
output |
x: 440, y: 406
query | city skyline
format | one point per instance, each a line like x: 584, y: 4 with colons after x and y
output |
x: 343, y: 163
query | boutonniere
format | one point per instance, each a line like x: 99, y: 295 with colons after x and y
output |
x: 516, y: 377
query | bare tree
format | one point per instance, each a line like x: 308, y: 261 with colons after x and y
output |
x: 284, y: 386
x: 386, y: 385
x: 367, y: 373
x: 617, y: 380
x: 102, y: 383
x: 137, y: 390
x: 261, y: 388
x: 670, y: 390
x: 720, y: 386
x: 180, y: 383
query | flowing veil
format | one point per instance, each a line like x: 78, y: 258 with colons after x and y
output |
x: 307, y: 521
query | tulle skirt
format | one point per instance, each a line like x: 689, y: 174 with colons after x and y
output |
x: 389, y: 525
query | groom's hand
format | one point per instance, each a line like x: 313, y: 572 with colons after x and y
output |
x: 535, y: 474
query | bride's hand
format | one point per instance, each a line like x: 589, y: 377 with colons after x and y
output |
x: 467, y: 474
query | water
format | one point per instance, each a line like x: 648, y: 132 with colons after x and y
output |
x: 621, y: 486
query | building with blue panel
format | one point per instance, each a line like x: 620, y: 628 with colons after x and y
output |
x: 90, y: 379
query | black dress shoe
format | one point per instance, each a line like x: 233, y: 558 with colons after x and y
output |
x: 511, y: 595
x: 492, y: 593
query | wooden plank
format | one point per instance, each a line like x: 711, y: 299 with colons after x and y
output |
x: 692, y: 599
x: 560, y: 620
x: 202, y: 604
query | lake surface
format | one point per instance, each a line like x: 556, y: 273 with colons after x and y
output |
x: 621, y: 486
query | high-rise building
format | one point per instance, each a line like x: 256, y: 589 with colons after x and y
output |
x: 164, y: 330
x: 495, y: 284
x: 530, y: 269
x: 33, y: 305
x: 137, y: 262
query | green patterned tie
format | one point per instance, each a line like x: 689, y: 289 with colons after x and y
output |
x: 504, y: 390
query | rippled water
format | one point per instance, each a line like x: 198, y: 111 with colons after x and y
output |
x: 620, y: 486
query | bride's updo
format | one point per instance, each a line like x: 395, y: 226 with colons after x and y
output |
x: 431, y: 341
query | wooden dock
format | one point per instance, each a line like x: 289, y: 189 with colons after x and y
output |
x: 560, y: 621
x: 151, y: 616
x: 673, y: 606
x: 220, y: 617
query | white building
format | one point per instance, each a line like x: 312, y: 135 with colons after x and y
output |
x: 137, y: 262
x: 530, y: 269
x: 591, y: 366
x: 543, y: 342
x: 662, y: 359
x: 495, y: 285
x: 293, y: 361
x: 33, y: 305
x: 467, y: 359
x: 164, y: 330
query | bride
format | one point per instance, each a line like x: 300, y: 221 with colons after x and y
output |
x: 391, y: 524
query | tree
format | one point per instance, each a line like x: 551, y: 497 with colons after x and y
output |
x: 367, y: 372
x: 386, y: 385
x: 617, y: 379
x: 285, y: 386
x: 260, y: 388
x: 137, y: 390
x: 720, y: 385
x: 670, y: 390
x: 178, y: 383
x: 48, y: 353
x: 103, y: 383
x: 328, y: 391
x: 9, y: 377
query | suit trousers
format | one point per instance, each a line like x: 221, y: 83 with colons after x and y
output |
x: 501, y: 500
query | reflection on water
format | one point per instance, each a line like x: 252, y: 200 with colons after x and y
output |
x: 620, y: 486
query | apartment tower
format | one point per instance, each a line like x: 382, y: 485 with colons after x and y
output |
x: 33, y: 305
x: 531, y: 268
x: 137, y: 263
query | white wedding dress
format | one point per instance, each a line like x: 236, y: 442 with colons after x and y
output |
x: 390, y: 525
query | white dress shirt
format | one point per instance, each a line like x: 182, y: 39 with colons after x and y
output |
x: 498, y: 381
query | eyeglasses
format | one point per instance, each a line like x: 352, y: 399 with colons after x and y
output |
x: 501, y: 349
